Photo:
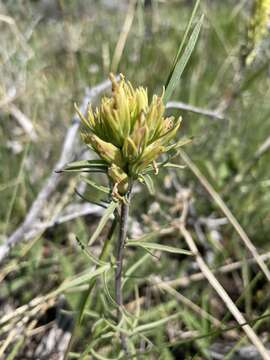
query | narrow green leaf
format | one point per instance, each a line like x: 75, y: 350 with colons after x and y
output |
x: 79, y: 280
x: 86, y: 166
x: 193, y: 324
x: 74, y: 355
x: 102, y: 203
x: 104, y: 253
x: 107, y: 213
x: 117, y: 328
x: 154, y: 324
x: 173, y: 151
x: 16, y: 348
x: 88, y: 253
x: 151, y: 235
x: 99, y: 357
x: 91, y: 183
x: 183, y: 40
x: 107, y: 291
x: 160, y: 247
x: 147, y: 179
x: 134, y: 267
x: 83, y: 302
x: 179, y: 144
x: 183, y: 60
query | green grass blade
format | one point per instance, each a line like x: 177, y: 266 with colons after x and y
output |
x: 183, y: 60
x: 16, y: 348
x: 16, y: 188
x: 183, y: 40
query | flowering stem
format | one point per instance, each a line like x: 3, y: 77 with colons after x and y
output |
x: 123, y: 222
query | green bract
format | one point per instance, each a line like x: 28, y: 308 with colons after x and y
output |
x: 127, y: 131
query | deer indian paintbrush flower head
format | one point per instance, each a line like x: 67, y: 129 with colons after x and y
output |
x: 128, y: 131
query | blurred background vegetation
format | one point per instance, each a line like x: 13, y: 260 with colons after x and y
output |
x: 50, y: 51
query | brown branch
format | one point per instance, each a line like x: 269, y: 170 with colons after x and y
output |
x: 216, y: 114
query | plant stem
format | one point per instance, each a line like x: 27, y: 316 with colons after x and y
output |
x: 123, y: 222
x: 86, y: 299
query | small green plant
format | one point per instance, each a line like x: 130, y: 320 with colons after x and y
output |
x: 131, y: 137
x: 128, y: 134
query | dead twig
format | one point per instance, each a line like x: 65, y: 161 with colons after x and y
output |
x: 66, y: 155
x: 185, y: 281
x: 184, y: 300
x: 9, y: 97
x: 23, y: 121
x: 243, y: 236
x: 70, y: 213
x: 216, y: 114
x: 123, y: 35
x: 218, y: 287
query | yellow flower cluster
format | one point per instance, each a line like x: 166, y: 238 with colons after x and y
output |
x: 127, y: 131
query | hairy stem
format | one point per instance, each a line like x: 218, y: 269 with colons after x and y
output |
x: 123, y: 222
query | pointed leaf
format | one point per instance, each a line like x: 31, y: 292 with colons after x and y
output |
x: 160, y: 247
x: 104, y: 253
x: 149, y: 183
x: 89, y: 182
x: 151, y: 235
x: 85, y: 166
x: 81, y: 279
x: 183, y: 40
x: 107, y: 291
x: 88, y: 253
x: 134, y: 267
x: 179, y: 144
x: 182, y: 62
x: 154, y: 324
x: 107, y: 213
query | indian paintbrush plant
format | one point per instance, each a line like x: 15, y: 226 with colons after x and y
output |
x: 128, y: 133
